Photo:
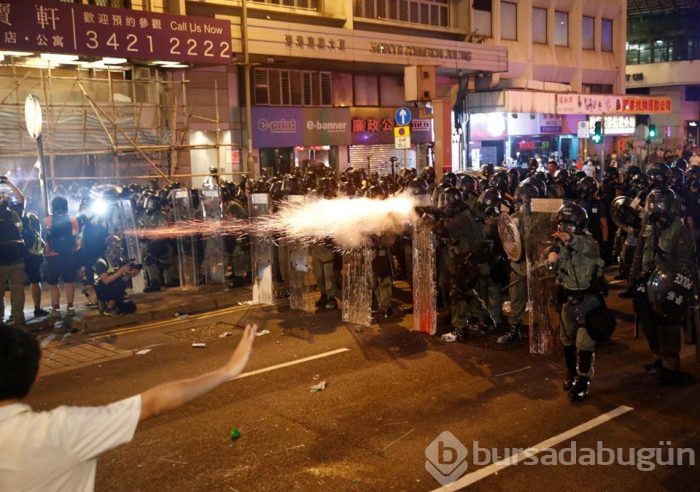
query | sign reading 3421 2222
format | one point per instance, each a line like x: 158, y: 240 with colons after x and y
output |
x: 58, y: 27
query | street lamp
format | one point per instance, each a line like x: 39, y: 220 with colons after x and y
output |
x: 34, y: 120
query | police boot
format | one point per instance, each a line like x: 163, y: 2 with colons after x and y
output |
x: 322, y: 301
x: 570, y: 361
x: 582, y: 383
x: 153, y: 286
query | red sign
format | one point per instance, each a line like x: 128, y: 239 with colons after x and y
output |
x: 58, y: 27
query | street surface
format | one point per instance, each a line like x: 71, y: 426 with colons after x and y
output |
x: 389, y: 393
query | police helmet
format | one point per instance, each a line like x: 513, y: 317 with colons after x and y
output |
x: 659, y: 174
x: 490, y: 202
x: 571, y: 218
x: 662, y: 206
x: 586, y: 187
x: 448, y: 180
x: 417, y: 186
x: 499, y: 181
x: 451, y: 201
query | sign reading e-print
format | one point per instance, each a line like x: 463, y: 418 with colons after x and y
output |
x: 58, y: 27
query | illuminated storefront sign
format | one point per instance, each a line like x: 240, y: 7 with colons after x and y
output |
x: 614, y: 125
x: 58, y: 27
x: 597, y: 104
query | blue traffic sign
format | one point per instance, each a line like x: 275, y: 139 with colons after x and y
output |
x: 403, y: 116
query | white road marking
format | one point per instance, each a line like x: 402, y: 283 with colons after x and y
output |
x: 293, y: 362
x: 512, y: 372
x: 486, y: 471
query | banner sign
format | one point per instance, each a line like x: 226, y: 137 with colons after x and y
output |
x: 275, y: 127
x: 70, y: 28
x: 597, y: 104
x: 326, y: 126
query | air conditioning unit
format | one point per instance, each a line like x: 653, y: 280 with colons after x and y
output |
x: 419, y: 83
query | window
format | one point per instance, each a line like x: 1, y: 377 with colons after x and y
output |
x: 588, y: 33
x: 122, y: 4
x: 306, y: 4
x: 539, y: 25
x: 427, y: 12
x: 482, y: 17
x: 561, y: 28
x: 606, y: 35
x: 509, y: 20
x: 275, y: 87
x: 597, y: 88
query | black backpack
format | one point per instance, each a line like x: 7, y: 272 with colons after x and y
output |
x: 60, y: 236
x: 11, y: 243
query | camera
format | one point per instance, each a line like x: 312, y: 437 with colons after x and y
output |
x: 133, y: 265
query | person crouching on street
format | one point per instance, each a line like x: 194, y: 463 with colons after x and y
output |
x: 112, y: 276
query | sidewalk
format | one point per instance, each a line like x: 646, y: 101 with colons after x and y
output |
x: 152, y: 306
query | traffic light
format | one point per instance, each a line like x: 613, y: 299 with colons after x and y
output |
x: 597, y: 133
x: 652, y: 132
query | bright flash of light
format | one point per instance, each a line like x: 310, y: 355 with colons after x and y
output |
x: 347, y: 221
x: 192, y: 228
x: 99, y: 207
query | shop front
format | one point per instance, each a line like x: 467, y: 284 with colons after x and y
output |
x: 374, y: 140
x: 509, y: 138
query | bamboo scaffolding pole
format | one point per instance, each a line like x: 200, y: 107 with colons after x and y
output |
x: 143, y: 154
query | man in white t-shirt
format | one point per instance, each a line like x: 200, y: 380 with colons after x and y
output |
x: 57, y: 450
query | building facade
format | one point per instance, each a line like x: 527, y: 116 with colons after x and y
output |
x: 663, y: 53
x: 479, y: 80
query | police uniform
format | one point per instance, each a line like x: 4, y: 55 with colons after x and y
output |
x: 577, y: 265
x: 465, y: 237
x: 673, y: 244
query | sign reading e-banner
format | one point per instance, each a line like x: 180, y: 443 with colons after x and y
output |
x: 58, y: 27
x: 291, y: 127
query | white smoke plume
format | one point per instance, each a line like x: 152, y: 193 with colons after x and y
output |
x: 347, y: 221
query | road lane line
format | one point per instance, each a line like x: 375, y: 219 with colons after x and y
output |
x: 486, y: 471
x: 293, y: 363
x: 512, y: 372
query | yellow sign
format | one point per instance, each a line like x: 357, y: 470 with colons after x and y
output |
x: 402, y: 142
x: 402, y: 131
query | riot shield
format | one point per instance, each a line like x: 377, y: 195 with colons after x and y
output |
x: 542, y: 299
x: 357, y: 289
x: 188, y: 263
x: 299, y: 276
x: 424, y: 279
x: 213, y: 263
x: 124, y: 218
x: 263, y: 284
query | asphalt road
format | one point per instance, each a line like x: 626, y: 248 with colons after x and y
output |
x: 388, y: 395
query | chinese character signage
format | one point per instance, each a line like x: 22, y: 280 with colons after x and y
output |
x: 57, y: 27
x: 372, y: 126
x: 597, y: 104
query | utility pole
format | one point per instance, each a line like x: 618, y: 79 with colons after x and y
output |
x: 250, y: 161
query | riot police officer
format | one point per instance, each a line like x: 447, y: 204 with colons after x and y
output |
x: 575, y: 257
x: 665, y: 245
